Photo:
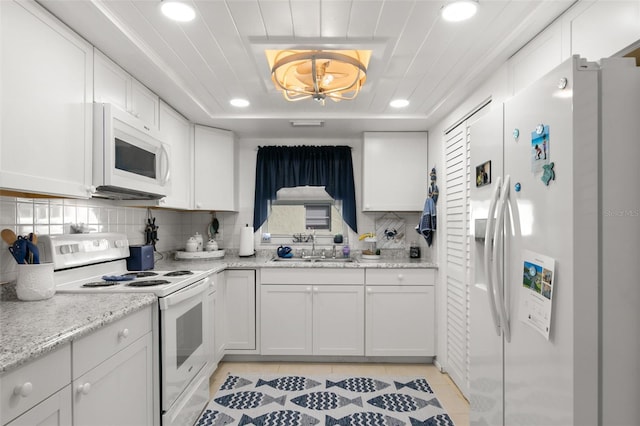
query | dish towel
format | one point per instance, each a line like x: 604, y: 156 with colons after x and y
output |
x: 427, y: 225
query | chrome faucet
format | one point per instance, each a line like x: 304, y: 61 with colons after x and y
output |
x: 313, y: 242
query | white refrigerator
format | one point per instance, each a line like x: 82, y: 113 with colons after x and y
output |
x: 585, y: 369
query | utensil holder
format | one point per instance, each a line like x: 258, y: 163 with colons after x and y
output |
x: 35, y: 281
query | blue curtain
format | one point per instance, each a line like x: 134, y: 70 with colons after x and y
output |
x: 290, y: 166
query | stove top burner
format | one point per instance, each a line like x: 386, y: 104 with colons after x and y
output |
x: 177, y: 273
x: 101, y: 284
x: 141, y: 274
x: 148, y: 283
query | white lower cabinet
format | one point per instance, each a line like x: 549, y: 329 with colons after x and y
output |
x: 240, y: 310
x: 26, y: 388
x: 113, y: 373
x: 338, y: 320
x: 219, y: 320
x: 53, y: 411
x: 215, y: 329
x: 103, y: 378
x: 286, y: 320
x: 119, y: 390
x: 400, y: 319
x: 315, y: 318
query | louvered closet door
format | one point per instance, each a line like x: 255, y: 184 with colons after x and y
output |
x: 458, y: 246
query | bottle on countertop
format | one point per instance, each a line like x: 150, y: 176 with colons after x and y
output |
x: 346, y: 251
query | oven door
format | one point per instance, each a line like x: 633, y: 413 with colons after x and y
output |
x: 182, y: 339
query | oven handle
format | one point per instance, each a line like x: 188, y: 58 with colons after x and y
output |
x: 185, y: 294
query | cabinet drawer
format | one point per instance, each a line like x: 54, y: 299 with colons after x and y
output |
x: 91, y: 350
x: 36, y: 380
x: 401, y: 276
x: 311, y: 276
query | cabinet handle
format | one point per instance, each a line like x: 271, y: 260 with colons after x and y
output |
x: 23, y: 389
x: 400, y: 277
x: 91, y: 189
x: 308, y: 289
x: 85, y: 388
x: 315, y: 289
x: 198, y: 205
x: 124, y: 333
x: 369, y: 290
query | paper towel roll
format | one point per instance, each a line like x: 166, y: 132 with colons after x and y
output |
x: 246, y: 241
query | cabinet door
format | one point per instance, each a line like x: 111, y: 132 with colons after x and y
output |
x: 46, y: 81
x: 215, y: 170
x: 400, y: 321
x: 176, y: 131
x: 240, y: 304
x: 118, y: 391
x: 392, y: 160
x: 53, y: 411
x: 286, y: 320
x: 145, y: 105
x: 111, y: 83
x: 220, y: 333
x: 210, y: 335
x: 338, y: 320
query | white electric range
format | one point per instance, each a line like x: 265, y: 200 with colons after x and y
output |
x: 95, y: 263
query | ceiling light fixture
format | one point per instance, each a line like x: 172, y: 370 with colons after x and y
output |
x: 177, y: 11
x: 399, y: 103
x: 459, y: 10
x: 240, y: 103
x: 318, y: 74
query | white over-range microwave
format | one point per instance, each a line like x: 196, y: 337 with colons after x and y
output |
x: 130, y: 161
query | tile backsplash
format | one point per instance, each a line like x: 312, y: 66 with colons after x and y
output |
x: 55, y: 216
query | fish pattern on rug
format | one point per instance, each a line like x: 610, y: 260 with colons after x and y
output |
x: 289, y: 383
x: 293, y: 400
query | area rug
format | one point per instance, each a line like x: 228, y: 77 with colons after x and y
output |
x: 291, y: 400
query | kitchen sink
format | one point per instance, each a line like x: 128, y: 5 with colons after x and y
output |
x: 313, y: 259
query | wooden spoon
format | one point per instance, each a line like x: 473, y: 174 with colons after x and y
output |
x: 8, y: 236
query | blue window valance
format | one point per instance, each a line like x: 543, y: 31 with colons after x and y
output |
x: 291, y: 166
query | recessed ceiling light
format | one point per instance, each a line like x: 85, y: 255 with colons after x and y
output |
x: 178, y: 11
x: 459, y: 10
x: 240, y: 103
x: 399, y: 103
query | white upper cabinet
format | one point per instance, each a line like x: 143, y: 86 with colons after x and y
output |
x: 115, y: 86
x: 395, y: 171
x: 215, y: 169
x: 46, y: 81
x: 177, y: 132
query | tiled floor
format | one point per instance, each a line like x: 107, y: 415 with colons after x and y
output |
x: 447, y: 392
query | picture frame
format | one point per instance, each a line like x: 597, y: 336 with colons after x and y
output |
x: 483, y: 174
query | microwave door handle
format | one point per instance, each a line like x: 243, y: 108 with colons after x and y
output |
x: 167, y: 170
x: 182, y: 295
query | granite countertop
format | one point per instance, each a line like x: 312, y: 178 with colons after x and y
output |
x: 29, y: 330
x: 253, y: 262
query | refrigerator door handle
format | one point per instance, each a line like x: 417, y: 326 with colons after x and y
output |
x: 488, y: 267
x: 498, y: 251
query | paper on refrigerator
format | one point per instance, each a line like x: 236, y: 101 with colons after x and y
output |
x: 536, y: 293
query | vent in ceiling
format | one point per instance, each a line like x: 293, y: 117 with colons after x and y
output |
x: 307, y: 123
